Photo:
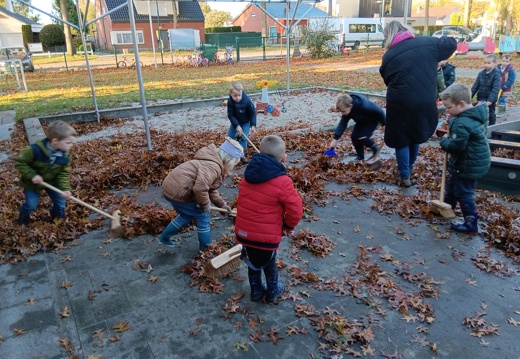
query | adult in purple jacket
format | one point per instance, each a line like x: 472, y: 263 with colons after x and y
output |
x: 409, y: 70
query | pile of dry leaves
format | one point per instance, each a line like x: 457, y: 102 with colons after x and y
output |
x: 124, y: 162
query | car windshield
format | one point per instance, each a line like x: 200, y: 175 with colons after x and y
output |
x: 12, y: 53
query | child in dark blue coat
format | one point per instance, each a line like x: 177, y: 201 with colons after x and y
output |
x: 242, y: 114
x: 487, y: 86
x: 448, y: 71
x: 508, y: 79
x: 366, y: 114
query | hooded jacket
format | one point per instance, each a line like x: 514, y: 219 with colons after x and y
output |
x: 508, y: 79
x: 467, y: 144
x: 448, y: 71
x: 363, y: 112
x: 409, y: 70
x: 240, y: 113
x: 36, y: 160
x: 196, y: 180
x: 267, y: 203
x: 487, y: 85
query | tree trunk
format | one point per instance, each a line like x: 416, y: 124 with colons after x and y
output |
x: 175, y: 15
x: 467, y: 11
x: 68, y: 34
x: 427, y: 17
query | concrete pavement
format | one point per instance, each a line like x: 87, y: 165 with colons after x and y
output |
x: 96, y: 299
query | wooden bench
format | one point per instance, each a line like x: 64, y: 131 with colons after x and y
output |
x: 33, y: 129
x: 505, y: 162
x: 504, y: 144
x: 501, y: 134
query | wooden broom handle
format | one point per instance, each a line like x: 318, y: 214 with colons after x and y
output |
x: 443, y: 178
x: 79, y: 201
x: 251, y: 143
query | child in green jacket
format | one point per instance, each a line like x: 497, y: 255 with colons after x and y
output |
x: 468, y: 147
x: 47, y: 160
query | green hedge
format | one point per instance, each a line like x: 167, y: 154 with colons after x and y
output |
x: 212, y: 30
x: 27, y: 35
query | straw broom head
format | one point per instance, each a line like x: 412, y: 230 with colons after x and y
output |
x: 224, y: 263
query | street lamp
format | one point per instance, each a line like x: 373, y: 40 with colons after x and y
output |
x: 380, y: 2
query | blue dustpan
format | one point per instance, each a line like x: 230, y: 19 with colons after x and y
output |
x: 330, y: 153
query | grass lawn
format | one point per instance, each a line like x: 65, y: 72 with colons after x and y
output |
x: 54, y: 92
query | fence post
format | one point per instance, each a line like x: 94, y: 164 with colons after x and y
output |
x: 65, y: 57
x: 237, y: 45
x: 263, y: 47
x: 115, y: 54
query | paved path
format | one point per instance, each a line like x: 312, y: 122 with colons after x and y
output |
x: 104, y: 286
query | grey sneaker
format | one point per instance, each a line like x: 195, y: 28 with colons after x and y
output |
x: 167, y: 242
x: 405, y: 182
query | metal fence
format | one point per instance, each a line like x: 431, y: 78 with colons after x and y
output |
x: 264, y: 48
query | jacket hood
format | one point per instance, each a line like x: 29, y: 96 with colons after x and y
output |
x: 263, y: 168
x: 478, y: 113
x: 209, y: 153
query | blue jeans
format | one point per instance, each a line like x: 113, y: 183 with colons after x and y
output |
x: 406, y: 157
x: 32, y: 199
x: 461, y: 190
x: 233, y: 133
x: 186, y: 213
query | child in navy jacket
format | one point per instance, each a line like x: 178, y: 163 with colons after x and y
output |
x: 242, y: 114
x: 367, y: 116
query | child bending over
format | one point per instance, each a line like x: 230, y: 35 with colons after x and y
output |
x: 366, y: 114
x: 192, y: 186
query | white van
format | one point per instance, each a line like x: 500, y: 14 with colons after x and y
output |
x: 356, y: 32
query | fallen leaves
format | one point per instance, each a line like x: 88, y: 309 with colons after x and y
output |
x: 122, y: 327
x: 65, y: 312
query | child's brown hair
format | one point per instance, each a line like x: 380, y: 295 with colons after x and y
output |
x: 343, y: 101
x: 60, y: 130
x: 506, y: 56
x: 492, y: 57
x: 273, y: 146
x: 236, y: 86
x: 456, y: 93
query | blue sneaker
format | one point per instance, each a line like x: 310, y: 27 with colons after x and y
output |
x: 167, y: 242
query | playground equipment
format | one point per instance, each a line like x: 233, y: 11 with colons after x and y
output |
x: 508, y: 44
x: 264, y: 106
x: 476, y: 48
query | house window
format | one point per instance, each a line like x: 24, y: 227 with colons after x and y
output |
x: 125, y: 37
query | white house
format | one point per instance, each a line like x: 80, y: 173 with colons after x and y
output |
x: 11, y: 28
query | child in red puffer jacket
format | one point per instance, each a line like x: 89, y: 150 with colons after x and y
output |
x: 268, y: 208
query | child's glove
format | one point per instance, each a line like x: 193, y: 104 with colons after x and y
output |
x: 228, y: 209
x: 204, y: 208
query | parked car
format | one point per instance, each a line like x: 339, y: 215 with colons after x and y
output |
x: 451, y: 33
x: 20, y: 53
x: 470, y: 35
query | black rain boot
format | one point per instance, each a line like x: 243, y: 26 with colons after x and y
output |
x: 57, y: 213
x: 23, y: 219
x: 274, y: 289
x: 360, y: 152
x: 258, y: 289
x: 470, y: 225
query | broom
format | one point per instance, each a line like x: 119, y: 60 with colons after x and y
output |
x: 115, y: 227
x: 439, y: 206
x: 374, y: 162
x: 224, y: 263
x: 251, y: 143
x: 233, y: 211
